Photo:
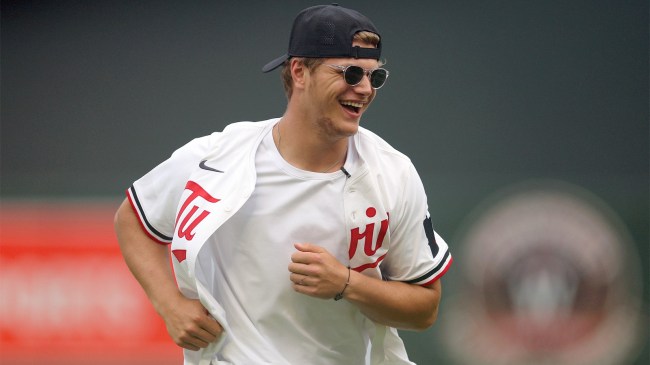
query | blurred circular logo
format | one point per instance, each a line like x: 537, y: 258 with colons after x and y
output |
x: 548, y: 276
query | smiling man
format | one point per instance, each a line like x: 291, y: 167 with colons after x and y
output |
x: 304, y: 239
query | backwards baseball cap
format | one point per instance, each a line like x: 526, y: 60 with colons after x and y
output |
x: 326, y: 31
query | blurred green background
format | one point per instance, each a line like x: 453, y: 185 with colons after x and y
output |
x: 482, y: 95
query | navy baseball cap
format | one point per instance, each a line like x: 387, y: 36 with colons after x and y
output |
x: 326, y: 31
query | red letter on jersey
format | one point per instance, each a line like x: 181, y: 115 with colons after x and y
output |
x: 185, y: 230
x: 368, y: 235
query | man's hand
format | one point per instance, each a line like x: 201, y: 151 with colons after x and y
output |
x: 315, y: 272
x: 187, y: 321
x: 189, y: 324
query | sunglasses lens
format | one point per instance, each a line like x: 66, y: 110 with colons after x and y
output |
x: 353, y: 75
x: 378, y: 78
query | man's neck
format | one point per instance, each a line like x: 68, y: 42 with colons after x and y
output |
x: 304, y: 146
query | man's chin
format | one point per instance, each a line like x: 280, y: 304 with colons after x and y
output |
x: 339, y: 127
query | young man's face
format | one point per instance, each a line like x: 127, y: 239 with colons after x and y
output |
x: 336, y: 106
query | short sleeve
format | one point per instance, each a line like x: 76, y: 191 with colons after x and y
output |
x: 155, y: 196
x: 417, y: 255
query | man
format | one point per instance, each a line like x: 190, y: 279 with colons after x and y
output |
x: 303, y: 239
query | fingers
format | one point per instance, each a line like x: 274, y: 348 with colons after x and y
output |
x: 301, y: 268
x: 191, y: 342
x: 303, y: 258
x: 315, y: 272
x: 300, y: 279
x: 190, y: 325
x: 212, y: 327
x: 308, y: 253
x: 311, y: 260
x: 308, y: 247
x: 200, y: 334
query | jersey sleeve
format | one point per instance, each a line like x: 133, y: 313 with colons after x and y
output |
x: 155, y: 196
x: 417, y: 255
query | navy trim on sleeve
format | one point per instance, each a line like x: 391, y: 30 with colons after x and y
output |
x: 431, y: 273
x: 144, y: 217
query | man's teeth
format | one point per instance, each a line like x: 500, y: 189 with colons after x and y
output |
x: 352, y: 104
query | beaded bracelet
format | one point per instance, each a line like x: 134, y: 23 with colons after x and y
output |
x: 339, y: 296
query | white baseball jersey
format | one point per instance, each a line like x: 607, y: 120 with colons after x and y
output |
x: 232, y: 208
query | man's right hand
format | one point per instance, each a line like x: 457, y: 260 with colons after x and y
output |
x: 189, y: 324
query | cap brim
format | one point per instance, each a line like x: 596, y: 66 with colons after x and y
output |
x: 275, y: 63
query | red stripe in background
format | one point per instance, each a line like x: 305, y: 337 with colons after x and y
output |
x: 66, y: 296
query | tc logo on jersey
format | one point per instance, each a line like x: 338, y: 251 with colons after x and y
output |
x: 371, y: 251
x: 191, y: 220
x: 193, y: 216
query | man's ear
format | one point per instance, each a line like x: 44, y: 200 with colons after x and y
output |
x: 299, y: 73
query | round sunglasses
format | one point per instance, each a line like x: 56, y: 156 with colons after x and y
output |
x: 354, y: 74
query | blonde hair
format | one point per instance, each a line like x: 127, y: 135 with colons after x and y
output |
x: 312, y: 63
